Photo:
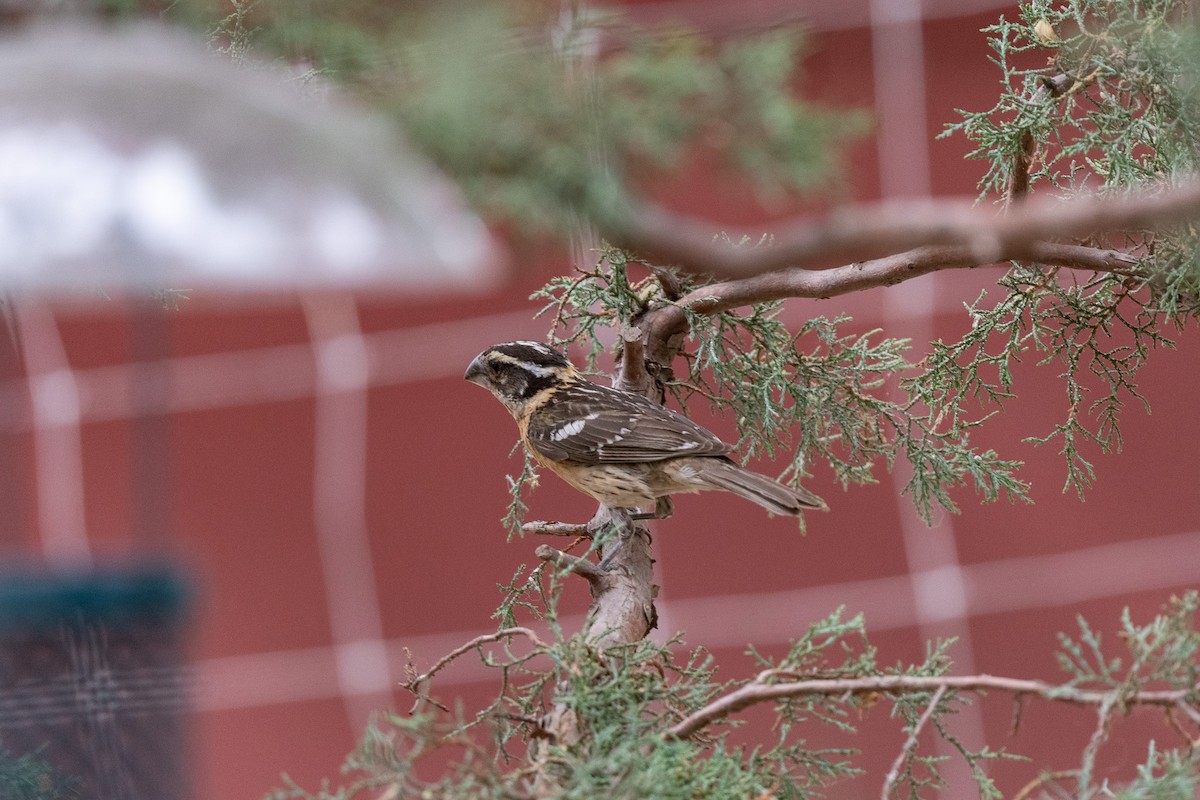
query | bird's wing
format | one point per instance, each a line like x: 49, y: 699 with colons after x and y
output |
x: 593, y: 424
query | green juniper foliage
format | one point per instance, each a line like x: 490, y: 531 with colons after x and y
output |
x: 1107, y: 94
x: 526, y: 479
x: 1164, y: 654
x: 627, y: 698
x: 1173, y: 775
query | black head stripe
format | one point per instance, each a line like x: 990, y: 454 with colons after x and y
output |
x: 534, y: 353
x: 520, y: 381
x: 529, y: 385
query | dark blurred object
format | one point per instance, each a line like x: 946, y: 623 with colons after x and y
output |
x: 92, y: 679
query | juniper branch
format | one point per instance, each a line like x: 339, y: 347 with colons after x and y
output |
x: 666, y: 322
x: 754, y: 693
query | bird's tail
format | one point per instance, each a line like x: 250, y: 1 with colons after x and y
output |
x: 771, y: 495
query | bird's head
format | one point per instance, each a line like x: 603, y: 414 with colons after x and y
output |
x: 516, y: 372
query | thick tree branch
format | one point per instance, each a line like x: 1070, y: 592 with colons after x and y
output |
x: 875, y: 231
x: 754, y: 693
x: 622, y: 612
x: 622, y: 609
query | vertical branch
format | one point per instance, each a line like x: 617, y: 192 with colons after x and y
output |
x: 622, y: 610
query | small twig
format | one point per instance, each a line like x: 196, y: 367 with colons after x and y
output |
x: 1190, y: 711
x: 1090, y: 752
x: 1035, y: 784
x: 910, y: 744
x: 697, y: 389
x: 1018, y: 708
x: 1173, y: 724
x: 766, y: 675
x: 559, y: 320
x: 576, y: 541
x: 580, y: 566
x: 522, y: 718
x: 544, y: 528
x: 413, y: 683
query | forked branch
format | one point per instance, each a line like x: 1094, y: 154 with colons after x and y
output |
x: 910, y: 744
x: 413, y: 684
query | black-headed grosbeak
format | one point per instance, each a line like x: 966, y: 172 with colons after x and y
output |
x: 623, y: 449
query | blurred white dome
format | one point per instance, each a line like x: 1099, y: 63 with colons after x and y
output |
x: 134, y: 157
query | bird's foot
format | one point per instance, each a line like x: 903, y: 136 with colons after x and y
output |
x: 663, y: 508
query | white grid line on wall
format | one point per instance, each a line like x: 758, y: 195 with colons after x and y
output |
x: 936, y: 582
x: 57, y: 438
x: 339, y: 505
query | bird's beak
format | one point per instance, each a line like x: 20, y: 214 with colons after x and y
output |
x: 477, y: 372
